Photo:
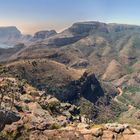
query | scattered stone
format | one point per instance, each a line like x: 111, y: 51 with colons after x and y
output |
x: 7, y: 117
x: 82, y: 126
x: 98, y: 133
x: 26, y: 98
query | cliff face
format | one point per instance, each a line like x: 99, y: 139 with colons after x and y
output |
x: 9, y: 35
x: 86, y: 27
x: 87, y: 87
x: 44, y: 34
x: 12, y: 36
x: 95, y: 26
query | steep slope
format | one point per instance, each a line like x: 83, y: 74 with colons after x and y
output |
x: 136, y: 66
x: 5, y: 54
x: 68, y: 85
x: 42, y: 72
x: 43, y: 116
x: 114, y: 71
x: 128, y: 52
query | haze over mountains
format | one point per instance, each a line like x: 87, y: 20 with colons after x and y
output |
x: 92, y: 67
x: 12, y: 35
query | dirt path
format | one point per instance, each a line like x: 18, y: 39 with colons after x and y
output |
x: 120, y: 94
x: 130, y: 106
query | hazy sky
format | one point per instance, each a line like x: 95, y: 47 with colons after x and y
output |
x: 33, y: 15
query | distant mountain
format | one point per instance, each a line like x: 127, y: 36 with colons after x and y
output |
x: 44, y: 34
x: 84, y: 45
x: 9, y: 35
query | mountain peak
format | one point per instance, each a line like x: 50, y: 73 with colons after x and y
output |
x: 9, y: 29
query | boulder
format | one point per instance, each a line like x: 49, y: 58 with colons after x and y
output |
x: 117, y: 128
x: 7, y: 117
x: 40, y: 118
x: 98, y: 132
x: 26, y: 98
x: 82, y: 125
x: 14, y: 128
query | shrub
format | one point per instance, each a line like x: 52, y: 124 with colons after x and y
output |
x: 55, y: 126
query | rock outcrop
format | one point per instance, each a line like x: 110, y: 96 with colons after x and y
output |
x: 44, y: 34
x: 7, y: 118
x: 86, y: 134
x: 87, y: 27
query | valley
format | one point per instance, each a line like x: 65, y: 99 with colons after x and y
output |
x: 76, y: 81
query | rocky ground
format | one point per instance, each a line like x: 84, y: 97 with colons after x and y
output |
x: 37, y: 111
x: 35, y: 115
x: 82, y: 133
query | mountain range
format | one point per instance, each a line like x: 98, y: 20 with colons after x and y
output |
x: 92, y: 65
x: 110, y: 50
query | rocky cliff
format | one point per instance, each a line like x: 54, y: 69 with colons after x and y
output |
x: 44, y: 34
x: 9, y: 35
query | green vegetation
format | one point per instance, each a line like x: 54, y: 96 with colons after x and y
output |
x: 88, y: 109
x: 130, y: 96
x: 131, y: 89
x: 128, y: 117
x: 10, y: 90
x: 129, y: 69
x: 55, y: 126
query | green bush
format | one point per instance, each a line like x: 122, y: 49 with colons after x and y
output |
x: 55, y: 126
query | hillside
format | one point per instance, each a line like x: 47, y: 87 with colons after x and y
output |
x: 88, y: 44
x: 41, y: 72
x: 89, y: 70
x: 43, y: 116
x: 66, y: 84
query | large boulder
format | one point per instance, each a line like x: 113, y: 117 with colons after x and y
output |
x: 26, y: 98
x: 40, y: 119
x: 7, y: 117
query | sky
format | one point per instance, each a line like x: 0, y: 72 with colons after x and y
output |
x: 30, y: 16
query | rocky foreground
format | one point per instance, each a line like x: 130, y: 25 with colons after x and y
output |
x: 71, y: 133
x: 29, y: 114
x: 79, y: 131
